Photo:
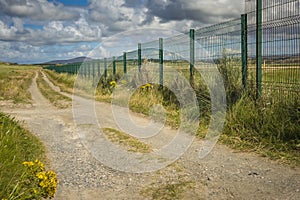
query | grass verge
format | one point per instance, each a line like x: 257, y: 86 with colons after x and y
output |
x: 171, y: 182
x: 64, y: 81
x: 57, y: 99
x: 126, y: 141
x: 17, y: 145
x: 174, y: 190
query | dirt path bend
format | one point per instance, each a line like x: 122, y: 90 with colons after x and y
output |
x: 223, y: 174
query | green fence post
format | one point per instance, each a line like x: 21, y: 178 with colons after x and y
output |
x: 244, y: 50
x: 105, y: 67
x: 192, y: 55
x: 89, y: 70
x: 124, y: 63
x: 93, y: 64
x: 161, y: 61
x: 84, y: 67
x: 139, y: 56
x: 81, y: 70
x: 114, y: 66
x: 258, y: 47
x: 98, y: 68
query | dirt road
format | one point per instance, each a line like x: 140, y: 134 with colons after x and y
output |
x: 223, y: 174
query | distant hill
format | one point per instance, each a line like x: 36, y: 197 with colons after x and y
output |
x: 69, y: 61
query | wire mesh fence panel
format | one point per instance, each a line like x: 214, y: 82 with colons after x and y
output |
x: 218, y: 47
x: 177, y: 51
x: 281, y: 56
x: 132, y: 60
x: 119, y: 65
x: 280, y: 46
x: 150, y: 62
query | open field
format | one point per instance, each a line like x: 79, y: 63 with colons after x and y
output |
x: 14, y: 82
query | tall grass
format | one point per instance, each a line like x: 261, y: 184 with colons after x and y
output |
x: 143, y: 99
x: 16, y: 146
x: 15, y: 81
x: 268, y: 127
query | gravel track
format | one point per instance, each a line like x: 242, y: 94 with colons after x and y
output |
x: 223, y: 174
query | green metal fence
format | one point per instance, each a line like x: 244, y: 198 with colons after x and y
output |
x: 258, y: 51
x: 277, y: 63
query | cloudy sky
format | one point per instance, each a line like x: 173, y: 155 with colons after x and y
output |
x: 34, y: 31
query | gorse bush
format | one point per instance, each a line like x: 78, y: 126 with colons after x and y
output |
x: 34, y: 183
x: 106, y: 85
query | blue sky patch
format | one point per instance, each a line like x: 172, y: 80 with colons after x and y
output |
x: 72, y: 2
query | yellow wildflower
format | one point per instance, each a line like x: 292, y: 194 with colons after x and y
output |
x: 147, y: 86
x: 40, y: 164
x: 43, y: 184
x: 28, y: 164
x: 113, y: 83
x: 41, y: 175
x: 46, y: 180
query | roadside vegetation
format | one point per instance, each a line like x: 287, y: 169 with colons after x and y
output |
x: 268, y: 126
x: 17, y: 145
x: 15, y: 81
